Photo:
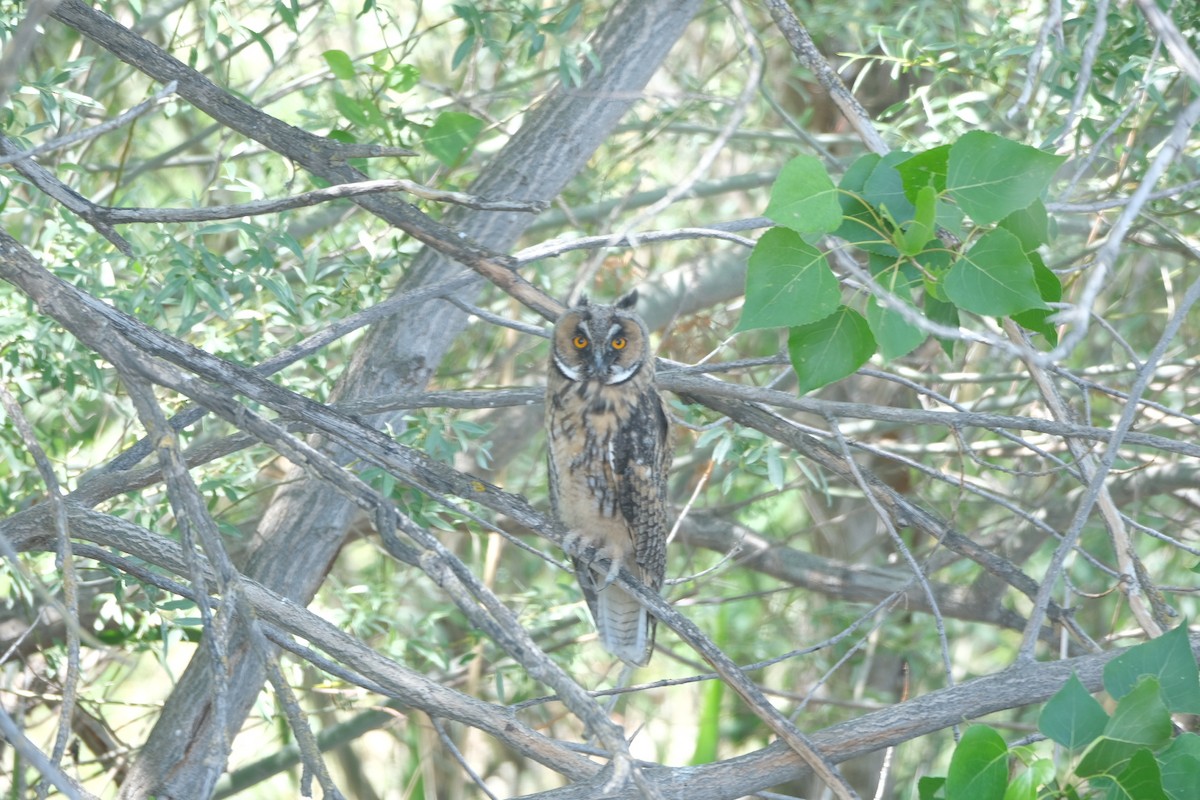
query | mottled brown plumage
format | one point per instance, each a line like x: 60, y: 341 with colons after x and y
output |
x: 609, y: 449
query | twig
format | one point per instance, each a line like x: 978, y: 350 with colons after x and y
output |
x: 897, y: 542
x: 1177, y: 44
x: 49, y: 770
x: 1052, y: 22
x: 191, y: 518
x: 126, y: 216
x: 556, y: 247
x: 66, y: 566
x: 1096, y: 148
x: 1096, y: 484
x: 556, y: 219
x: 457, y: 755
x: 705, y: 387
x: 1086, y: 461
x: 307, y: 346
x: 310, y: 753
x: 1080, y: 313
x: 44, y: 180
x: 706, y: 159
x: 736, y: 679
x: 807, y: 54
x: 87, y: 134
x: 1087, y: 60
x: 20, y: 44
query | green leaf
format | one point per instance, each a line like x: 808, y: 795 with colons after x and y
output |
x: 403, y: 77
x: 925, y: 169
x: 1139, y: 720
x: 1027, y: 783
x: 351, y: 110
x: 1050, y: 288
x: 943, y: 314
x: 830, y: 349
x: 1024, y: 786
x: 1072, y: 717
x: 339, y: 64
x: 931, y: 788
x: 861, y: 224
x: 264, y: 44
x: 776, y: 473
x: 884, y: 188
x: 712, y: 695
x: 287, y: 14
x: 1141, y: 716
x: 1180, y: 766
x: 1169, y: 659
x: 1031, y: 225
x: 855, y: 178
x: 979, y: 766
x: 913, y: 238
x: 788, y: 282
x: 991, y: 177
x: 994, y: 277
x: 1140, y: 780
x: 450, y: 135
x: 950, y: 217
x: 896, y: 336
x: 462, y: 51
x: 804, y: 199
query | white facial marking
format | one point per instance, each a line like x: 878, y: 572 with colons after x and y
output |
x: 570, y: 372
x: 622, y: 374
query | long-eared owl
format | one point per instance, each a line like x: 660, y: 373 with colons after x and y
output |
x: 609, y: 453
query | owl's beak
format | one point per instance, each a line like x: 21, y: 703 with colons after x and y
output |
x: 598, y: 363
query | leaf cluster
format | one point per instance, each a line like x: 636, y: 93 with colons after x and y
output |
x: 906, y: 212
x: 1130, y: 753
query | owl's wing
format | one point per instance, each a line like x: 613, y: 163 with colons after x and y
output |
x: 641, y: 458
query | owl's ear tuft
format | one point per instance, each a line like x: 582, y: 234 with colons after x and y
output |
x: 629, y: 300
x: 584, y: 301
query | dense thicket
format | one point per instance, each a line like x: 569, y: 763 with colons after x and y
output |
x: 276, y: 281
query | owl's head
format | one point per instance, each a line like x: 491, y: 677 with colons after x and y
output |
x: 608, y: 344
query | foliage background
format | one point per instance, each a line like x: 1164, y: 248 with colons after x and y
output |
x: 778, y: 553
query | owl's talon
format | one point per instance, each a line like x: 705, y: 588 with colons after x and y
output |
x: 614, y: 569
x: 570, y: 543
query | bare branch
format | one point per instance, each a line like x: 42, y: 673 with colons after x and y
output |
x: 43, y: 179
x: 87, y: 134
x: 66, y: 566
x: 1016, y: 687
x: 1079, y: 314
x: 29, y: 530
x: 126, y: 216
x: 50, y: 771
x: 557, y: 247
x: 1096, y: 484
x: 20, y: 44
x: 807, y: 54
x: 1177, y: 44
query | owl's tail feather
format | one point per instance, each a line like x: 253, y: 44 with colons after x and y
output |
x: 626, y: 628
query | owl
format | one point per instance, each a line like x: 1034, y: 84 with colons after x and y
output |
x: 609, y: 453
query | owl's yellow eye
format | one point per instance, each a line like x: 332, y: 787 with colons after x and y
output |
x: 619, y: 343
x: 580, y: 342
